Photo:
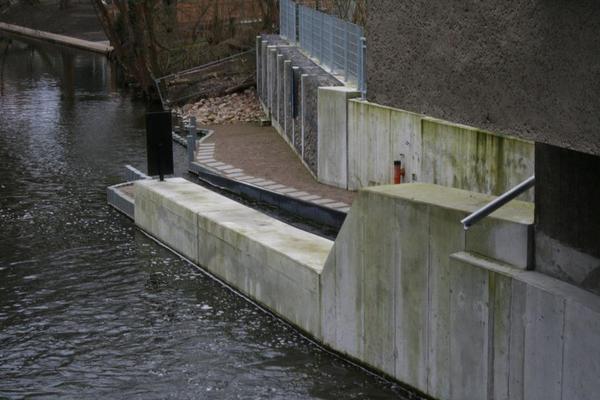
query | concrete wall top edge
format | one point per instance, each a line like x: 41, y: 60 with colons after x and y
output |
x: 520, y: 212
x: 344, y: 89
x: 533, y: 278
x: 308, y: 249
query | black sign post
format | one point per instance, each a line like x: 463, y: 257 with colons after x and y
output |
x: 159, y: 144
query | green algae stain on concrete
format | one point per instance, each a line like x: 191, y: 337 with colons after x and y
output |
x: 470, y: 159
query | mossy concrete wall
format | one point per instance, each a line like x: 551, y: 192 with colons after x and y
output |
x: 404, y: 289
x: 433, y: 151
x: 408, y: 291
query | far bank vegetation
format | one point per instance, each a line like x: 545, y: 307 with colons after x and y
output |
x: 153, y: 38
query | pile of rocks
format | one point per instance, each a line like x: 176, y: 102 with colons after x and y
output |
x: 236, y: 107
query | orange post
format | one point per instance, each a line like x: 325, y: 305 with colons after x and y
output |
x: 398, y: 172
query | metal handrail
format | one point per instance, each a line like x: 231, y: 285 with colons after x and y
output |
x: 497, y: 203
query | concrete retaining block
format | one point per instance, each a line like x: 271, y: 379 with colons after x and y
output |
x: 272, y: 262
x: 402, y: 289
x: 433, y: 151
x: 392, y: 299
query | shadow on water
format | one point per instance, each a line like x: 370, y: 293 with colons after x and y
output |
x: 91, y: 308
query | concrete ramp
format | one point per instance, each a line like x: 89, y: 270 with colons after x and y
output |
x: 272, y: 262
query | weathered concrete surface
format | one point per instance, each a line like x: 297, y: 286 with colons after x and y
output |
x: 391, y: 298
x: 272, y: 262
x: 568, y: 216
x: 466, y: 158
x: 332, y: 143
x: 398, y: 290
x: 377, y: 136
x: 432, y: 151
x: 520, y: 67
x: 538, y: 328
x: 96, y: 47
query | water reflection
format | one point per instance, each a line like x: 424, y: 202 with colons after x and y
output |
x: 90, y: 307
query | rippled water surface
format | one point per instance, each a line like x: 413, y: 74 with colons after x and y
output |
x: 91, y: 308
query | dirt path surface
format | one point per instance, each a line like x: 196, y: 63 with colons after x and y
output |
x: 260, y: 153
x: 78, y: 21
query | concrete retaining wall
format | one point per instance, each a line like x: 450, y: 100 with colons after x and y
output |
x: 404, y: 289
x: 277, y: 265
x: 401, y: 295
x: 432, y: 151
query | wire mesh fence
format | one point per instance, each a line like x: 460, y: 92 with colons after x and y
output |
x: 287, y: 20
x: 338, y: 46
x: 209, y: 80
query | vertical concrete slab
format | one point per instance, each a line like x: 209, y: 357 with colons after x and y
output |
x: 405, y: 138
x: 516, y: 355
x: 329, y: 294
x: 465, y: 158
x: 349, y: 278
x: 446, y: 236
x: 581, y: 369
x: 278, y: 112
x: 380, y: 270
x: 370, y: 145
x: 544, y: 325
x: 380, y: 164
x: 288, y: 126
x: 170, y: 216
x: 469, y: 335
x: 357, y: 145
x: 304, y: 115
x: 298, y: 120
x: 272, y: 79
x: 332, y: 135
x: 265, y: 77
x: 258, y: 49
x: 499, y: 364
x: 412, y: 225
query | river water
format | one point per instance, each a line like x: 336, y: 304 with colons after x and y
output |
x: 90, y: 307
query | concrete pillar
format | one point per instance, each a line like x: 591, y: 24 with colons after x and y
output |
x: 272, y: 78
x: 264, y: 77
x: 258, y: 49
x: 278, y: 111
x: 288, y: 82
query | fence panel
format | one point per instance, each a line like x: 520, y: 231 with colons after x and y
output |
x: 337, y: 45
x: 207, y: 80
x: 287, y: 20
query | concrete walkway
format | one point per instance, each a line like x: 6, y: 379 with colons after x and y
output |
x: 259, y: 156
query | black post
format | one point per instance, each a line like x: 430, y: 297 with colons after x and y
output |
x: 159, y: 143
